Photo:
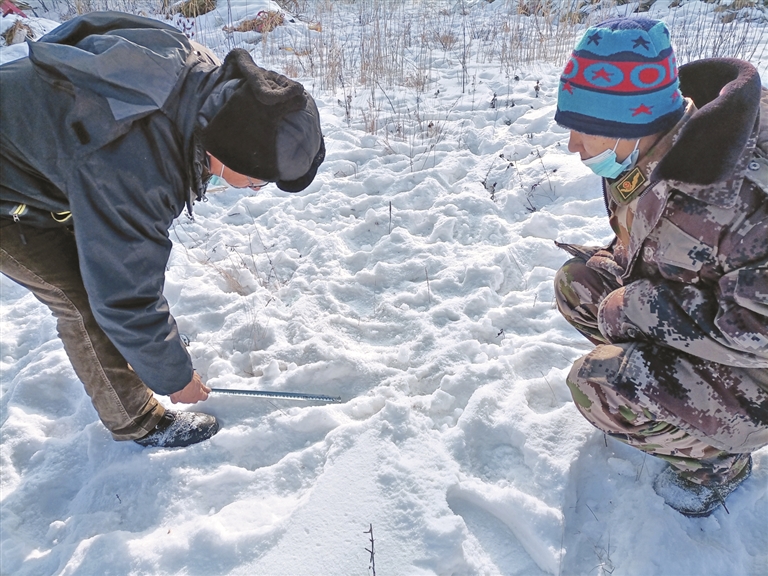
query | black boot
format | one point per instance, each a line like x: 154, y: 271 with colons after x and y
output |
x: 695, y: 500
x: 177, y: 429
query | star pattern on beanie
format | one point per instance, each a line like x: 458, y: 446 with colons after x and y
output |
x: 595, y: 38
x: 640, y: 41
x: 642, y: 109
x: 602, y: 74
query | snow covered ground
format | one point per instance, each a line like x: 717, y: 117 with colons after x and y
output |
x: 413, y: 278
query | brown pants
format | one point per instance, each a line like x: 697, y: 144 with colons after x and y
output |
x: 47, y: 264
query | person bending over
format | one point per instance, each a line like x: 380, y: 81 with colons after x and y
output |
x: 110, y: 127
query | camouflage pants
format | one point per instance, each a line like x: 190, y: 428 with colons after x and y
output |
x: 704, y: 418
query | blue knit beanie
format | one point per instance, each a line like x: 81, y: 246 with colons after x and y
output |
x: 621, y: 81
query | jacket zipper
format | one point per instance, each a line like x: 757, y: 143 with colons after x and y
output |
x: 15, y: 213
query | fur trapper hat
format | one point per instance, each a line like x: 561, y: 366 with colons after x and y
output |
x: 269, y: 128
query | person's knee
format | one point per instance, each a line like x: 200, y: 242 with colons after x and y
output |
x: 601, y: 393
x: 578, y: 286
x: 565, y: 276
x: 577, y: 385
x: 567, y: 295
x: 603, y: 368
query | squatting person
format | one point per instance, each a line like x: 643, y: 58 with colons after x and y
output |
x: 110, y: 127
x: 677, y: 304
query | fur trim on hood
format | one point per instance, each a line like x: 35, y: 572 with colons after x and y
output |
x: 726, y: 92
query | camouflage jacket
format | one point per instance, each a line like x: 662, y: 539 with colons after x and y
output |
x: 690, y: 257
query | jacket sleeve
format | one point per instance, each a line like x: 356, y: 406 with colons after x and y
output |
x: 727, y: 324
x: 133, y: 62
x: 121, y: 219
x: 74, y: 30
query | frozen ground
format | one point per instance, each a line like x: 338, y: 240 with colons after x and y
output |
x: 421, y: 296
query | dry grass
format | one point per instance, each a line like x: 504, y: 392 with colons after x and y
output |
x: 17, y: 33
x: 265, y: 21
x: 193, y: 8
x: 371, y: 54
x: 291, y: 70
x: 446, y: 40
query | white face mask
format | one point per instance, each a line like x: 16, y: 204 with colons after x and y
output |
x: 605, y: 165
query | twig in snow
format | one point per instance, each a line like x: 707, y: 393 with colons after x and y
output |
x: 546, y: 172
x: 388, y: 99
x: 390, y: 218
x: 522, y: 275
x: 372, y: 564
x: 550, y: 386
x: 606, y: 565
x: 560, y: 561
x: 269, y: 258
x: 641, y: 468
x: 429, y: 292
x: 490, y: 187
x: 276, y: 407
x: 374, y: 296
x: 722, y: 501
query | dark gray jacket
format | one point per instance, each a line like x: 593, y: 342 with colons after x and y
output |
x: 100, y: 121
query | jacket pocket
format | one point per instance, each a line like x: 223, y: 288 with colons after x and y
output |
x: 680, y: 256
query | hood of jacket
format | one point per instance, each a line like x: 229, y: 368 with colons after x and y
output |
x: 202, y: 89
x: 131, y: 61
x: 711, y: 145
x: 140, y: 67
